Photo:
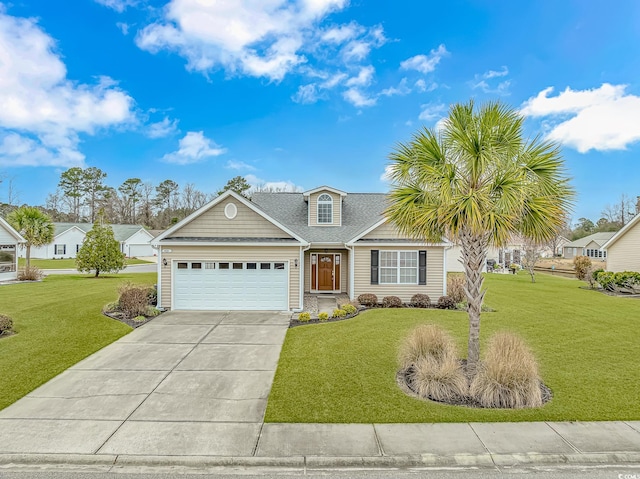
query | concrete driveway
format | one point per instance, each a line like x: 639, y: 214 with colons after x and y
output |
x: 191, y: 383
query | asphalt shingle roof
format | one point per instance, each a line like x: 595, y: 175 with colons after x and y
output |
x: 120, y: 232
x: 598, y: 238
x: 360, y: 211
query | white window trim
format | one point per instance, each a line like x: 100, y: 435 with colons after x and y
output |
x: 398, y: 267
x: 324, y: 202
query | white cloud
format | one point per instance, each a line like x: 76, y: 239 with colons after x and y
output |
x: 193, y: 148
x: 364, y: 77
x: 386, y: 174
x: 162, y: 128
x: 431, y: 111
x: 401, y: 89
x: 239, y: 165
x: 334, y: 80
x: 484, y: 82
x: 42, y: 113
x: 124, y: 27
x: 280, y: 186
x: 425, y: 63
x: 256, y: 38
x: 358, y: 98
x: 342, y: 33
x: 306, y: 94
x: 604, y: 118
x: 118, y: 5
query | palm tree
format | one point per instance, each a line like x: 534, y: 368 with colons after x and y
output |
x: 476, y: 181
x: 34, y: 225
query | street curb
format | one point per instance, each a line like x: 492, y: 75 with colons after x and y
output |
x: 124, y: 462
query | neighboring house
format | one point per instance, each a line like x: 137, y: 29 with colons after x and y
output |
x: 623, y: 248
x: 266, y: 253
x: 590, y: 246
x: 68, y: 237
x: 10, y: 239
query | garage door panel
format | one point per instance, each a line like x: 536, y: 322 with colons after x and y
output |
x: 212, y: 288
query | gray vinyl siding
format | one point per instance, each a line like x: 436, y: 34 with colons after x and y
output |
x: 435, y: 274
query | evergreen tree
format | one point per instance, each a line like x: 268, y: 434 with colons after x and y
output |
x: 100, y: 251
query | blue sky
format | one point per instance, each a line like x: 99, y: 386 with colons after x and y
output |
x: 300, y: 93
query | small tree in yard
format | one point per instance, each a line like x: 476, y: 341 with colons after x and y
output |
x: 532, y: 254
x: 34, y: 225
x: 100, y: 251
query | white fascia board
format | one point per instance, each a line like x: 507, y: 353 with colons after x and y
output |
x: 324, y: 188
x: 219, y: 199
x: 226, y: 243
x: 334, y: 244
x: 11, y: 230
x: 67, y: 230
x: 400, y: 245
x: 367, y: 231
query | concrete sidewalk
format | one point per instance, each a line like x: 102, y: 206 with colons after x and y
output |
x: 190, y: 390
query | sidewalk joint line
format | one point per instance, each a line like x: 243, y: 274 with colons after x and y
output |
x: 375, y: 435
x: 255, y: 447
x: 485, y: 447
x: 566, y: 441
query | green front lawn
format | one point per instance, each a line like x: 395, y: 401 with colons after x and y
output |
x: 59, y: 322
x: 68, y: 263
x: 586, y: 343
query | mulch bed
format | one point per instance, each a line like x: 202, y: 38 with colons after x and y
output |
x: 294, y: 322
x: 130, y: 322
x: 402, y: 379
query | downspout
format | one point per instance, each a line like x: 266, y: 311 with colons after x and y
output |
x: 444, y: 265
x: 351, y: 249
x: 159, y: 268
x: 301, y: 274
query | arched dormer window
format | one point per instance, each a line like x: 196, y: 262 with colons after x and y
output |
x: 325, y: 209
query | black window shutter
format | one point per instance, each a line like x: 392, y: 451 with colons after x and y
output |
x: 422, y: 266
x: 374, y: 266
x: 64, y: 249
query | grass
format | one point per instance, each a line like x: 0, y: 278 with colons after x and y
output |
x: 68, y: 263
x: 59, y: 322
x: 586, y: 344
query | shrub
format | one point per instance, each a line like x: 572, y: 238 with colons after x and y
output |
x: 623, y: 282
x: 420, y: 301
x: 446, y: 302
x: 440, y: 381
x: 30, y: 273
x: 508, y: 377
x: 581, y: 265
x: 140, y: 318
x: 349, y: 308
x: 323, y: 316
x: 304, y: 317
x: 339, y: 313
x: 133, y: 300
x: 455, y: 287
x: 151, y: 311
x: 427, y: 340
x: 110, y: 307
x: 368, y: 299
x: 6, y: 324
x: 152, y: 296
x: 391, y: 302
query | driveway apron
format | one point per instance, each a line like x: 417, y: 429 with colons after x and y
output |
x: 187, y: 383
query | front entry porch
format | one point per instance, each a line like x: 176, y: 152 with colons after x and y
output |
x: 326, y: 271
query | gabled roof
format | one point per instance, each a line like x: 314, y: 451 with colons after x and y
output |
x: 120, y: 232
x: 360, y: 211
x: 622, y: 232
x: 168, y: 233
x: 12, y: 231
x: 324, y: 188
x: 598, y: 238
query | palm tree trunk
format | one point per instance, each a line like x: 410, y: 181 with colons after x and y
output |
x: 474, y: 253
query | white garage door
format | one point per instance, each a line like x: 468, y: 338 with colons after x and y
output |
x: 223, y: 285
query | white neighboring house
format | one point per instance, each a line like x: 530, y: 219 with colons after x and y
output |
x: 623, y: 248
x: 10, y: 240
x: 591, y: 246
x: 68, y: 238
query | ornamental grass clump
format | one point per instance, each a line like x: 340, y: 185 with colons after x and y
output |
x: 6, y: 325
x: 508, y: 377
x: 429, y: 357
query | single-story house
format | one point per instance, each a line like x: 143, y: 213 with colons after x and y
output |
x: 267, y: 252
x: 623, y: 248
x: 590, y: 246
x: 68, y: 237
x: 10, y: 240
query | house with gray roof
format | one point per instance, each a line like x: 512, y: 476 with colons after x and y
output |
x: 68, y: 237
x: 267, y: 252
x: 591, y: 246
x: 10, y: 241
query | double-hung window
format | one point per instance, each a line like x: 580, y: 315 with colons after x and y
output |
x: 398, y: 267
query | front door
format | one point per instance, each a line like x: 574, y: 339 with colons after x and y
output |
x: 325, y: 272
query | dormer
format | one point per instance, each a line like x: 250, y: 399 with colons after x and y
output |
x: 324, y: 206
